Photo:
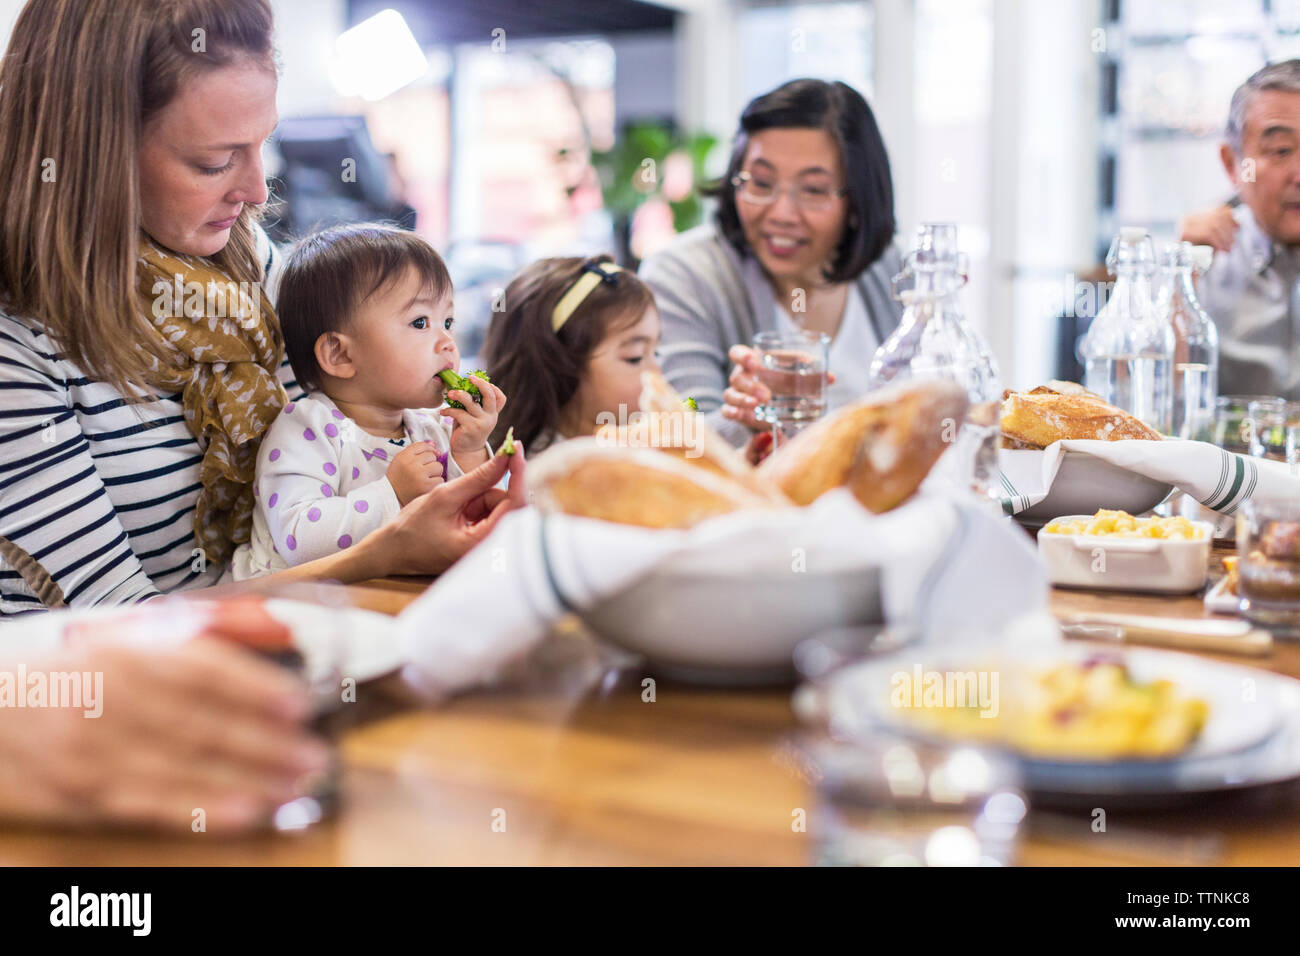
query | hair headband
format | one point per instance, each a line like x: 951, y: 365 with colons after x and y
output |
x: 592, y: 275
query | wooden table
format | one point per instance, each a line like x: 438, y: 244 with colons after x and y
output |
x: 529, y: 775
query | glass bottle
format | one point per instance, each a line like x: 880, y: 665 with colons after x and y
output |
x: 934, y: 340
x: 1128, y: 351
x: 1196, y: 340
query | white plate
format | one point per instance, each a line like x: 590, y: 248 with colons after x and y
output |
x: 368, y: 640
x: 1084, y: 484
x: 1252, y: 735
x: 1220, y: 600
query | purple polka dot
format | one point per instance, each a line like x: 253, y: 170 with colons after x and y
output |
x: 332, y: 430
x: 309, y: 434
x: 256, y: 493
x: 288, y: 408
x: 362, y: 507
x: 313, y: 515
x: 329, y: 468
x: 292, y: 542
x: 337, y: 414
x: 381, y: 454
x: 274, y: 498
x: 356, y: 473
x: 275, y: 454
x: 327, y: 491
x: 345, y: 541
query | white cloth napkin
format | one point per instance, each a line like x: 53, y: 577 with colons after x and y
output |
x: 947, y: 569
x: 1218, y: 479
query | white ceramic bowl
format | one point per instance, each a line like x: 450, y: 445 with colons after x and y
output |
x: 1085, y: 484
x: 710, y: 626
x: 1112, y: 563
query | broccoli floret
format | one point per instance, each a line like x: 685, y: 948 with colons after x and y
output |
x: 508, y: 446
x: 691, y: 403
x: 463, y: 382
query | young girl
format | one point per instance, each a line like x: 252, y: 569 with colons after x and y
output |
x: 366, y: 312
x: 571, y: 344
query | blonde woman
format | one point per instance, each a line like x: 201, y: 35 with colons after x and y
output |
x: 140, y: 363
x: 133, y: 136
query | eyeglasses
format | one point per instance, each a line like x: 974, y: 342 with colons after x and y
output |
x: 814, y: 196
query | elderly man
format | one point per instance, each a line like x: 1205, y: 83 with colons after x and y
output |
x: 1251, y: 289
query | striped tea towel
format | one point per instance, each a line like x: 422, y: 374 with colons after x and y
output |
x: 1218, y: 479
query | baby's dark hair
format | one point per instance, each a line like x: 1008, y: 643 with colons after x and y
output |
x: 328, y: 274
x: 539, y: 368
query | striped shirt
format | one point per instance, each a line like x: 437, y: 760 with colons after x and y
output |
x: 99, y: 493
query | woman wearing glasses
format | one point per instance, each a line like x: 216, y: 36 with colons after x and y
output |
x: 802, y: 239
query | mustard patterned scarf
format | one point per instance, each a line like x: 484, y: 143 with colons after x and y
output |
x: 228, y: 348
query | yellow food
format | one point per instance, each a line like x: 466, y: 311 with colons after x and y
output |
x: 1121, y: 524
x: 1093, y: 710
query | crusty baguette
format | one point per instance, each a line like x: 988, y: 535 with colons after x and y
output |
x: 664, y: 423
x: 1039, y: 417
x: 881, y: 447
x: 636, y: 486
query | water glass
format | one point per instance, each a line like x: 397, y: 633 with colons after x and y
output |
x: 1267, y: 423
x: 888, y: 801
x: 793, y: 366
x: 1268, y: 546
x: 1230, y: 428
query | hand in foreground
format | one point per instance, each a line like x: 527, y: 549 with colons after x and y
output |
x: 198, y: 725
x: 435, y: 530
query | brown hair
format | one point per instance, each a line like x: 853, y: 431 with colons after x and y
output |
x: 329, y: 273
x: 78, y: 83
x: 541, y: 369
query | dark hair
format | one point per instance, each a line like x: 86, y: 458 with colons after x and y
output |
x: 330, y: 273
x: 539, y: 368
x: 841, y: 111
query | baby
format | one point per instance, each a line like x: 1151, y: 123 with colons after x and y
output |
x: 367, y: 316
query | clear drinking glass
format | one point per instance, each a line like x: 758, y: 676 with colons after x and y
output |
x: 1268, y: 544
x: 1267, y: 420
x: 1230, y: 429
x: 889, y: 801
x: 793, y: 366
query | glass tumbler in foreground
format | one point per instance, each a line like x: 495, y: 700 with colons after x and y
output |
x: 1268, y: 546
x: 793, y: 367
x: 889, y: 801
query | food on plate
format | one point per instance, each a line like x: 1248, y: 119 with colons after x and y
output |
x: 1094, y: 709
x: 1281, y: 541
x: 464, y: 383
x: 881, y: 447
x: 1062, y: 411
x: 1121, y: 524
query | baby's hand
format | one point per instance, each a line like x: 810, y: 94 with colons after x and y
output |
x: 474, y: 422
x: 415, y: 470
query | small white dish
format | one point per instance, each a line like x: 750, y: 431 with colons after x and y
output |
x: 1222, y: 601
x: 1114, y: 563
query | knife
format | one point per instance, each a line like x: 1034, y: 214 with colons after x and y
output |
x: 1196, y: 634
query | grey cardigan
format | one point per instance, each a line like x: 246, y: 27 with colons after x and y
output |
x: 711, y: 298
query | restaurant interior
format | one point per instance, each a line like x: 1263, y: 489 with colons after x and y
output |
x: 976, y: 542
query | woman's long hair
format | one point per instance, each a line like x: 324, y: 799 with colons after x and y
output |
x: 78, y: 82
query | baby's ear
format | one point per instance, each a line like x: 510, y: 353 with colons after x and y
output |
x: 334, y: 356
